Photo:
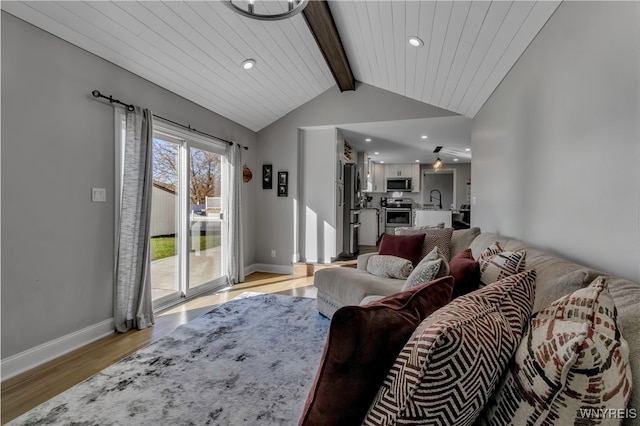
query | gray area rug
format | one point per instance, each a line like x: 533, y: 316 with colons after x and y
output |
x: 250, y: 361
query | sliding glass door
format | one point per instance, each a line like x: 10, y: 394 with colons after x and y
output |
x: 187, y: 215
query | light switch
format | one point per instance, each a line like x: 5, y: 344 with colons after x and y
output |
x: 98, y: 195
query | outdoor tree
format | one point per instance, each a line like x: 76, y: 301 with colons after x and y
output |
x: 205, y: 170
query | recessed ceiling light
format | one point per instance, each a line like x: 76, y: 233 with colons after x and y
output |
x: 382, y: 162
x: 248, y: 64
x: 415, y: 41
x: 376, y: 153
x: 367, y: 140
x: 417, y: 161
x: 423, y: 136
x: 455, y: 159
x: 467, y: 149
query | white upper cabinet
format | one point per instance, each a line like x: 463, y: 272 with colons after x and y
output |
x: 378, y: 178
x: 398, y: 170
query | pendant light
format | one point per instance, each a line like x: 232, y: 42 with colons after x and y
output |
x: 437, y: 165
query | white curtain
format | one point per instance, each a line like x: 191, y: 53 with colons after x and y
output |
x: 132, y: 294
x: 233, y: 245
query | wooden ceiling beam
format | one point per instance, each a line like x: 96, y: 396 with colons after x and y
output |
x: 324, y: 30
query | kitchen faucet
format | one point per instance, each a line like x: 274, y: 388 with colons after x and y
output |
x: 439, y: 197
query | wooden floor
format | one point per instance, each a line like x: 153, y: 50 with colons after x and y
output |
x: 27, y: 390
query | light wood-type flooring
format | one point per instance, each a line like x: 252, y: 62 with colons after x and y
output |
x: 27, y: 390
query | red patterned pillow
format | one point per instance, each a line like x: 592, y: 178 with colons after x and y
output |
x: 361, y: 346
x: 404, y: 246
x: 452, y: 363
x: 573, y: 362
x: 495, y: 263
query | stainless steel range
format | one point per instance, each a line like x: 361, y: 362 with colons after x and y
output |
x: 398, y: 213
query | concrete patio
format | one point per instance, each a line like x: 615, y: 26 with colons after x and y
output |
x: 204, y: 264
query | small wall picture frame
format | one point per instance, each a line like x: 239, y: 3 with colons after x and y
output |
x: 267, y: 176
x: 283, y: 184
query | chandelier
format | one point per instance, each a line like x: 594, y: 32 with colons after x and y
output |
x: 293, y: 8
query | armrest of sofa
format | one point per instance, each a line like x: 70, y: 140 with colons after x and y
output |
x: 363, y: 259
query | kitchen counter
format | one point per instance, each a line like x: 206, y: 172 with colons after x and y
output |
x: 432, y: 217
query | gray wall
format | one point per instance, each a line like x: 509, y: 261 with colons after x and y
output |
x: 556, y: 148
x: 277, y: 144
x: 57, y: 143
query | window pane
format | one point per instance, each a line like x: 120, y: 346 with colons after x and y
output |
x: 205, y: 216
x: 164, y: 220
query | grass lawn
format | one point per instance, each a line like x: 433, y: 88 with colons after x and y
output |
x: 162, y: 247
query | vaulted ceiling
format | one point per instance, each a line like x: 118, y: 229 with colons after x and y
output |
x: 195, y: 49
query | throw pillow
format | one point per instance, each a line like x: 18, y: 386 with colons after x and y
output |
x: 466, y: 273
x: 440, y: 238
x: 495, y: 263
x: 389, y: 266
x: 408, y: 230
x: 572, y: 361
x: 405, y: 246
x: 432, y: 266
x: 453, y: 361
x: 361, y: 346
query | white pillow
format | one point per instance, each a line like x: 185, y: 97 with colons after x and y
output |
x: 387, y: 266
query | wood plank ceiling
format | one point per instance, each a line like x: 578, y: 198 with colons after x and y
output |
x: 195, y: 48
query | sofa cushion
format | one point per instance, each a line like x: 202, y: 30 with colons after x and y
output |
x: 389, y: 266
x: 440, y: 238
x: 461, y: 239
x: 453, y: 361
x: 466, y: 273
x: 361, y: 346
x: 558, y: 287
x: 573, y: 358
x: 405, y: 246
x: 495, y: 263
x: 348, y: 286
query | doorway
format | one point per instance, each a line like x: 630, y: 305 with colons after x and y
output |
x: 439, y: 189
x: 188, y: 224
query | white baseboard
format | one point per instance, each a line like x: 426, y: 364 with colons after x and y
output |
x: 273, y: 269
x: 19, y: 363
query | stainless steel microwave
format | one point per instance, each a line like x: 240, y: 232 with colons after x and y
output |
x: 398, y: 184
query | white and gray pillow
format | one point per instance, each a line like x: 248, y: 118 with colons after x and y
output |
x: 387, y: 266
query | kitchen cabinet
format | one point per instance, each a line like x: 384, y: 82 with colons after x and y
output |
x: 416, y: 178
x: 365, y: 167
x: 368, y: 227
x: 379, y: 178
x: 398, y: 170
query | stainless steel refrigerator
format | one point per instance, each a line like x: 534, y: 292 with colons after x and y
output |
x: 351, y: 211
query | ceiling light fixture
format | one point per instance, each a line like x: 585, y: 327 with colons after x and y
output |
x: 424, y: 136
x: 467, y: 149
x: 248, y: 64
x: 293, y: 8
x: 415, y: 41
x: 376, y: 153
x: 437, y: 165
x: 367, y: 140
x: 455, y: 159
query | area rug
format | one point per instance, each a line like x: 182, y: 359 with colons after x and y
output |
x: 249, y: 361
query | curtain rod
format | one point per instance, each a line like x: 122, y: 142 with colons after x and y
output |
x: 97, y: 94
